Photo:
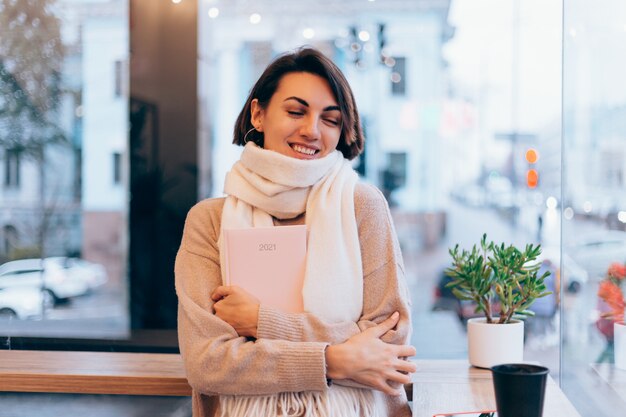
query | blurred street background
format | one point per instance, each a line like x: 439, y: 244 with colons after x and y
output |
x: 503, y: 117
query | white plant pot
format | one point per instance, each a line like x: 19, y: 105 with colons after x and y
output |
x: 492, y: 344
x: 619, y: 332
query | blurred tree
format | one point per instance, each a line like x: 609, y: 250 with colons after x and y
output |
x: 31, y: 59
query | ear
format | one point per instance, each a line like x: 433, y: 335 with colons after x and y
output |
x: 257, y: 114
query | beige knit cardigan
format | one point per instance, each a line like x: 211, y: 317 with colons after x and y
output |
x: 288, y: 355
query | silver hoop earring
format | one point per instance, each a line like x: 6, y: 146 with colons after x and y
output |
x: 245, y: 137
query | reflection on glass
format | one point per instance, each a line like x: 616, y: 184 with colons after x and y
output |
x: 594, y: 235
x: 63, y: 134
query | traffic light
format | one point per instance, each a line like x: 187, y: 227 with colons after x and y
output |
x: 531, y: 156
x: 532, y: 176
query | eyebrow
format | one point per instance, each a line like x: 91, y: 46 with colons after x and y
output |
x: 304, y: 103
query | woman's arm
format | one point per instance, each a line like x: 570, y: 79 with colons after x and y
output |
x: 216, y: 358
x: 218, y: 361
x: 365, y: 361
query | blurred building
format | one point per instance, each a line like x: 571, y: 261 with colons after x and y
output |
x: 71, y: 198
x: 39, y: 138
x: 104, y: 103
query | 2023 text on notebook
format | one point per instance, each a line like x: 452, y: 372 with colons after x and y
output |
x: 268, y: 262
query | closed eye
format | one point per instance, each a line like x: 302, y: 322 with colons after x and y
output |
x: 332, y: 122
x: 295, y: 113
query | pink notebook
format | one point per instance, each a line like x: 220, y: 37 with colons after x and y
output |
x: 269, y: 263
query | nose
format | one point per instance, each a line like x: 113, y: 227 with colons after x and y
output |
x: 310, y: 128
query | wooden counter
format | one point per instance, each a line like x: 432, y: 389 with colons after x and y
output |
x: 455, y: 386
x: 438, y: 386
x: 93, y: 373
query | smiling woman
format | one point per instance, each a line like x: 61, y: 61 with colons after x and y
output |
x: 311, y: 102
x: 300, y: 128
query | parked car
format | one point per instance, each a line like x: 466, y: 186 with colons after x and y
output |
x: 59, y: 277
x: 92, y: 273
x: 22, y: 302
x: 595, y: 252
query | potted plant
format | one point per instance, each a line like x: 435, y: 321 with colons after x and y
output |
x: 497, y: 275
x: 614, y: 302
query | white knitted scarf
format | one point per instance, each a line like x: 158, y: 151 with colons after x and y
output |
x: 265, y: 184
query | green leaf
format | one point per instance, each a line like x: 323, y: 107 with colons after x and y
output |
x: 491, y: 272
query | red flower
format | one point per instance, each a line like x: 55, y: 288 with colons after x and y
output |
x: 617, y: 271
x: 612, y: 295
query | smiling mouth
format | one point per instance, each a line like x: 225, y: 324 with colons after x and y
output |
x: 304, y: 150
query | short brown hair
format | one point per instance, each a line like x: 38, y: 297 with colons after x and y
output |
x: 311, y: 61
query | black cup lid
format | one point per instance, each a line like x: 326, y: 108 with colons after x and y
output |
x: 520, y: 369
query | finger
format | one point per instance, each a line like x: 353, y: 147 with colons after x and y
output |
x: 220, y: 292
x: 380, y: 384
x: 386, y: 325
x: 216, y: 308
x: 404, y: 351
x: 398, y: 377
x: 405, y: 366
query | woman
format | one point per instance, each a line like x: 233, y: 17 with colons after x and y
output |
x: 344, y: 356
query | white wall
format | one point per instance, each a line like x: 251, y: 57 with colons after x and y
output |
x: 105, y: 120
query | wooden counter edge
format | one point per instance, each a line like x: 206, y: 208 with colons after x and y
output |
x: 52, y: 378
x: 92, y: 384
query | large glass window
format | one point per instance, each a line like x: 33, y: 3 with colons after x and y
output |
x: 594, y: 206
x: 63, y: 202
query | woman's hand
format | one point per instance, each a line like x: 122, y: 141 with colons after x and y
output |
x: 238, y: 308
x: 366, y: 359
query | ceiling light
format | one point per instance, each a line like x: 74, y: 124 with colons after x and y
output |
x: 308, y: 33
x: 214, y: 12
x: 364, y: 35
x: 551, y: 202
x: 255, y: 18
x: 568, y: 213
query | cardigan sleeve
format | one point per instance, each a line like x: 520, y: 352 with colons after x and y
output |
x: 384, y: 286
x: 216, y: 359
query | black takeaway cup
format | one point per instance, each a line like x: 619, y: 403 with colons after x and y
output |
x: 520, y: 389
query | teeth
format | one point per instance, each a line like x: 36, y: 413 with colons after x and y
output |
x: 302, y: 149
